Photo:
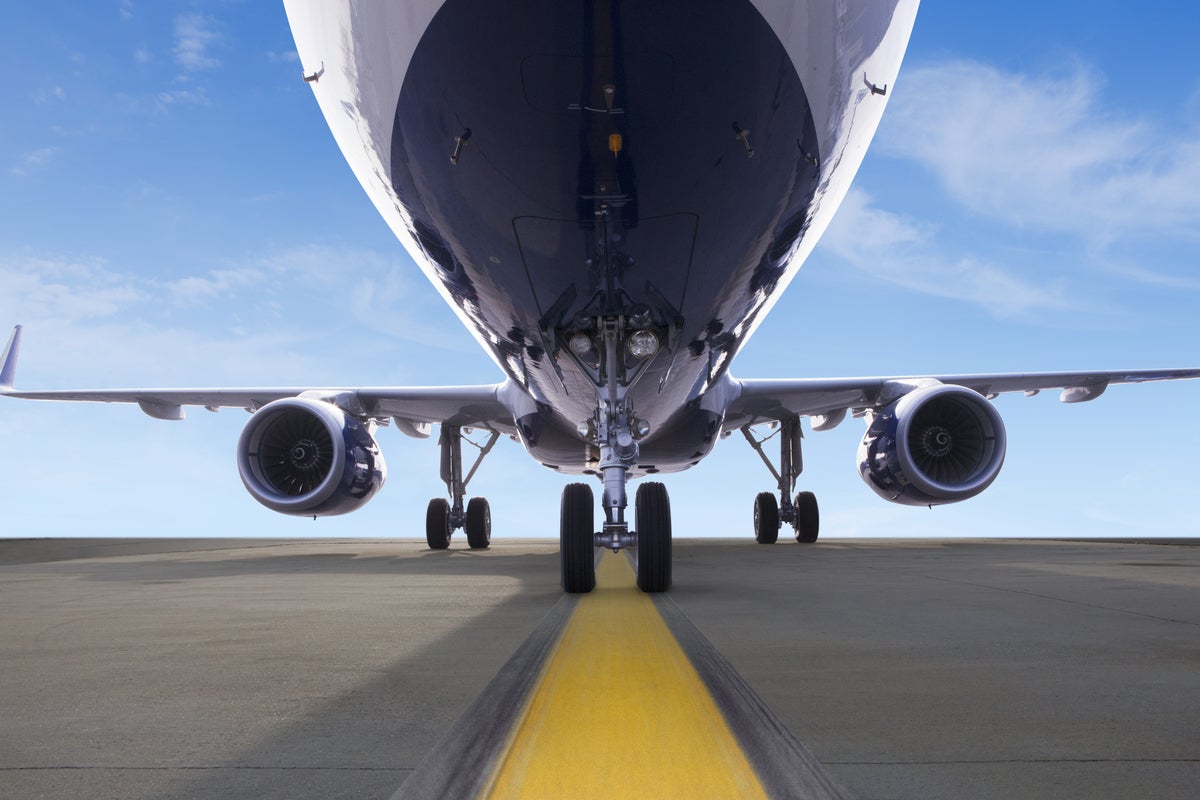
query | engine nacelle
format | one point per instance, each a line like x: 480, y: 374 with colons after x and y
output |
x: 938, y: 444
x: 308, y: 458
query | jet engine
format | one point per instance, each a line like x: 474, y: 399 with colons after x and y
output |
x: 308, y: 458
x: 937, y: 444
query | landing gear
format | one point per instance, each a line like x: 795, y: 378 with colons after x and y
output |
x: 615, y: 431
x: 808, y: 518
x: 651, y: 540
x: 652, y: 553
x: 576, y: 548
x: 478, y: 523
x: 766, y: 518
x: 651, y: 543
x: 443, y: 517
x: 612, y: 338
x: 769, y: 514
x: 437, y: 524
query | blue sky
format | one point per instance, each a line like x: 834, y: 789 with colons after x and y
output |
x: 173, y: 212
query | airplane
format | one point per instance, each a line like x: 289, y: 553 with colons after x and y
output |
x: 611, y: 196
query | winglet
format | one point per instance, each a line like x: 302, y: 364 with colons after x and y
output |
x: 9, y: 360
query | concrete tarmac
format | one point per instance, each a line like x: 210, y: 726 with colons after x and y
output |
x: 323, y: 669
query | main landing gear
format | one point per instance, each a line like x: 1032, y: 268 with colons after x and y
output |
x: 443, y: 517
x: 770, y: 513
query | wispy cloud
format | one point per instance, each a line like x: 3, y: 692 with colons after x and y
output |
x: 1156, y: 278
x: 216, y: 284
x: 182, y: 97
x: 905, y: 253
x: 1043, y: 157
x: 194, y: 36
x: 64, y: 290
x: 88, y: 322
x: 271, y: 318
x: 34, y: 160
x: 375, y: 291
x: 1042, y: 152
x: 43, y: 96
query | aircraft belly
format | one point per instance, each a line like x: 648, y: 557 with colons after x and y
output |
x: 679, y: 444
x: 709, y: 219
x: 491, y: 137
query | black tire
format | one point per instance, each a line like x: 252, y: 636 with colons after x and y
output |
x: 478, y: 523
x: 808, y: 518
x: 576, y: 540
x: 437, y: 523
x: 766, y: 518
x: 652, y: 558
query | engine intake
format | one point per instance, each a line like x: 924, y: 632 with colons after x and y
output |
x: 308, y: 458
x: 938, y: 444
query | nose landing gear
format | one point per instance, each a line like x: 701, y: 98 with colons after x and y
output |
x: 651, y: 542
x: 612, y: 340
x: 614, y: 428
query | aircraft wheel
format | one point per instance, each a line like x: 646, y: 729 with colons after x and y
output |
x: 478, y: 523
x: 437, y: 524
x: 766, y: 518
x: 653, y: 555
x: 576, y: 541
x: 808, y: 518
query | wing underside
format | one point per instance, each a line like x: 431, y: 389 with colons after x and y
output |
x: 414, y: 408
x: 829, y: 399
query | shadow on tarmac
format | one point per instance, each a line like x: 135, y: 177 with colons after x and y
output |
x: 365, y: 742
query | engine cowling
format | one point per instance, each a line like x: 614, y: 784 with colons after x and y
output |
x: 308, y: 458
x: 937, y: 444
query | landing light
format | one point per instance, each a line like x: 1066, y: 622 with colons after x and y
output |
x: 580, y: 344
x: 642, y: 344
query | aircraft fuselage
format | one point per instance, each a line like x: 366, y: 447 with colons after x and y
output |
x: 555, y: 167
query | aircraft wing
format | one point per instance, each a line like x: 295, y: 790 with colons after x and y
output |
x: 829, y: 399
x: 413, y: 407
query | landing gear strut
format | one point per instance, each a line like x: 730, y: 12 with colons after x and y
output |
x: 769, y: 513
x: 615, y: 426
x: 612, y: 339
x: 444, y: 517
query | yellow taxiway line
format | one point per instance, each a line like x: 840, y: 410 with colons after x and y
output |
x: 620, y: 712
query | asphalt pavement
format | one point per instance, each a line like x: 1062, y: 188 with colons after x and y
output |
x: 324, y: 669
